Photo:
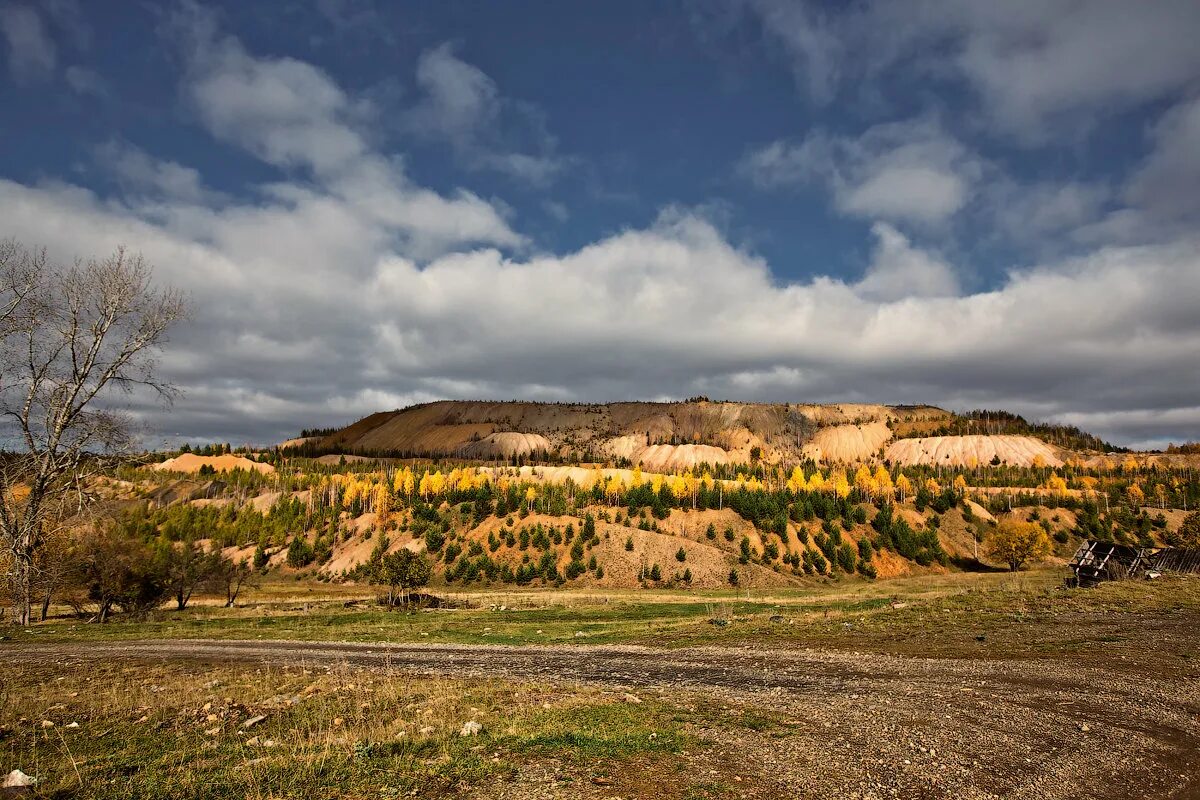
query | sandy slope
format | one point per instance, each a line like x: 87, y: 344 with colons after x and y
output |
x: 848, y: 443
x: 506, y: 445
x: 190, y: 462
x: 962, y: 451
x: 298, y: 441
x: 656, y: 435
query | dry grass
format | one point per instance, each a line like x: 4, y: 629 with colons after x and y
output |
x: 151, y: 730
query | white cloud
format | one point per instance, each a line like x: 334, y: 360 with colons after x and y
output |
x: 85, y: 81
x: 910, y: 171
x: 1034, y: 65
x: 342, y: 287
x: 1167, y: 185
x: 294, y: 116
x: 286, y: 112
x: 899, y: 270
x: 324, y: 317
x: 31, y: 52
x: 138, y: 172
x: 809, y: 39
x: 462, y: 105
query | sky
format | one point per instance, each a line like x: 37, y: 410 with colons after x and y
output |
x: 373, y: 204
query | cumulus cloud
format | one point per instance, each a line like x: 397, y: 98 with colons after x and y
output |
x: 1038, y: 62
x: 1166, y: 184
x: 85, y: 81
x: 342, y: 287
x: 295, y: 116
x: 461, y: 105
x: 140, y: 173
x: 899, y: 270
x: 910, y: 171
x: 316, y: 322
x: 1032, y: 64
x: 31, y: 52
x: 809, y: 38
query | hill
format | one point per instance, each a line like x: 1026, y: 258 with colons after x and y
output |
x: 673, y: 437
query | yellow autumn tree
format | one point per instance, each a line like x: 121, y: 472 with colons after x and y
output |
x: 960, y: 485
x: 904, y: 486
x: 816, y: 482
x: 381, y: 502
x: 796, y: 483
x: 1015, y: 543
x: 614, y: 488
x: 1137, y: 497
x: 841, y: 486
x: 530, y: 497
x: 883, y: 483
x: 690, y: 486
x: 1056, y: 485
x: 1160, y: 493
x: 864, y: 482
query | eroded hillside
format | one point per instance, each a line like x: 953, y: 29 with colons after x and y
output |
x: 673, y: 437
x: 659, y: 436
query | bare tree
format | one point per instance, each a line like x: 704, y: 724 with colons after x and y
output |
x: 230, y: 577
x: 69, y: 338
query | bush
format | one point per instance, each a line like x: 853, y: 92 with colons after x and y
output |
x: 733, y: 577
x: 1016, y: 543
x: 1188, y: 535
x: 300, y: 552
x: 847, y: 558
x: 681, y: 555
x: 434, y: 540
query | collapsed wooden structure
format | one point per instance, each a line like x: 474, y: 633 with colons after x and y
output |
x: 1097, y: 561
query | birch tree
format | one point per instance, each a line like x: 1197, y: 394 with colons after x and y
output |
x: 70, y: 339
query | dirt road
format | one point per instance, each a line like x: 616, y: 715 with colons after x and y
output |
x: 847, y: 724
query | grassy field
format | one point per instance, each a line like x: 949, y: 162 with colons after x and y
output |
x: 953, y: 615
x: 155, y: 731
x: 142, y: 727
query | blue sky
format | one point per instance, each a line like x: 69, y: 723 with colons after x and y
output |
x: 376, y: 203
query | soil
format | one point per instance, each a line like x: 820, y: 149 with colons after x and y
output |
x: 191, y: 463
x: 816, y: 723
x: 961, y: 451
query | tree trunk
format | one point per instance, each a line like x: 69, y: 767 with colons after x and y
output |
x: 23, y: 594
x: 45, y: 607
x: 180, y: 600
x: 104, y: 611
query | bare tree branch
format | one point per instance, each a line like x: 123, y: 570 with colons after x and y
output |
x: 68, y: 337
